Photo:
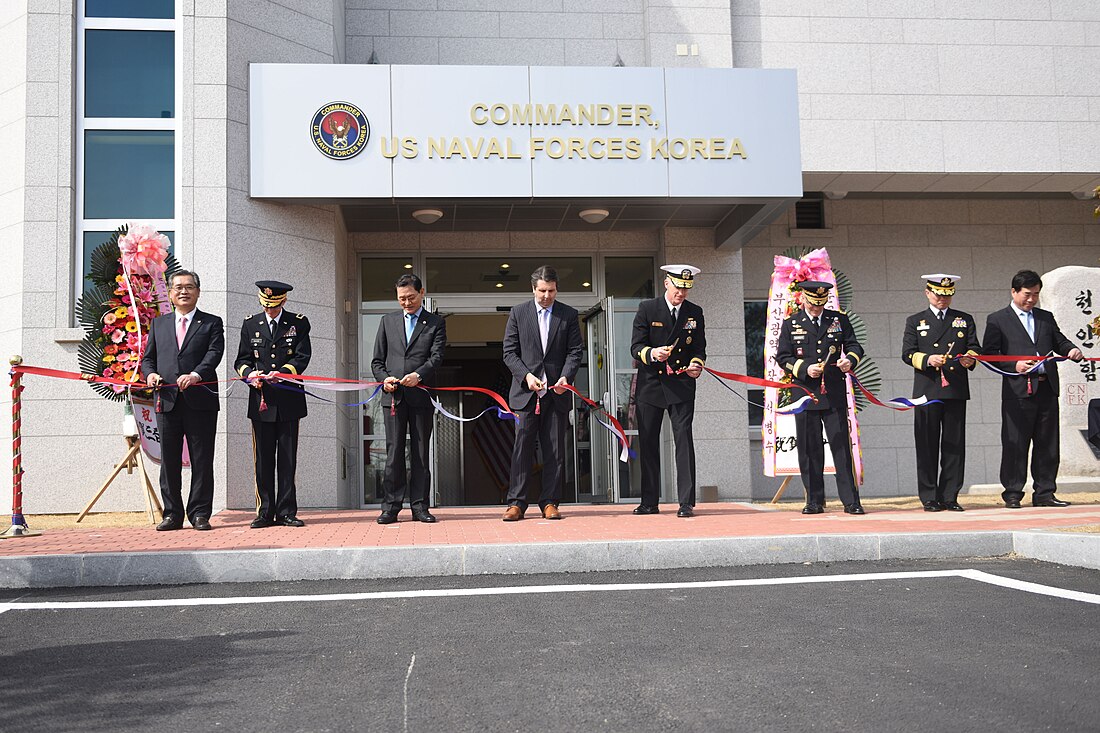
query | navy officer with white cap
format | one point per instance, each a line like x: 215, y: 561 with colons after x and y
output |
x: 274, y: 342
x: 939, y: 430
x: 669, y: 344
x: 818, y: 347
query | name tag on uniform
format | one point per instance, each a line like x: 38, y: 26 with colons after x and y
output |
x: 657, y: 324
x: 257, y: 342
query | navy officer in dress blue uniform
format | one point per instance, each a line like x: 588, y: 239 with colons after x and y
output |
x: 939, y: 430
x: 669, y: 345
x: 274, y: 342
x: 817, y: 347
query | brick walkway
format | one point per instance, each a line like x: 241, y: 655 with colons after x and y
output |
x: 585, y: 523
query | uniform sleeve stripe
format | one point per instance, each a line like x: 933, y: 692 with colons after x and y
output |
x: 292, y: 369
x: 797, y: 366
x: 918, y: 360
x: 643, y: 354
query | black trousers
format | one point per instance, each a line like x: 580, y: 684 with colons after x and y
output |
x: 680, y: 415
x: 939, y: 433
x: 200, y: 429
x: 1030, y: 421
x: 549, y: 428
x: 275, y: 445
x: 416, y: 424
x: 811, y: 454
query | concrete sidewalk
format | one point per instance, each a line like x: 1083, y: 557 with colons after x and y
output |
x: 471, y: 541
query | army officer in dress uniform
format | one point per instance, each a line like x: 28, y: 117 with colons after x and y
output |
x: 669, y: 343
x: 931, y: 337
x: 272, y: 343
x: 818, y: 347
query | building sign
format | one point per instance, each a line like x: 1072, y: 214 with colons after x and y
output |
x: 513, y: 132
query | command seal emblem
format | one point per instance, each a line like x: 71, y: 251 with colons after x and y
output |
x: 340, y: 130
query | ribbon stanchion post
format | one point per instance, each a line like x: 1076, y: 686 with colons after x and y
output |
x: 19, y: 526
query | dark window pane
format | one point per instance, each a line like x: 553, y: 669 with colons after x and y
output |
x: 756, y: 321
x: 504, y: 274
x: 629, y: 277
x: 378, y: 276
x: 129, y: 174
x: 130, y: 74
x: 130, y: 9
x: 94, y: 239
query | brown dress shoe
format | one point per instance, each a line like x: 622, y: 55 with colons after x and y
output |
x: 513, y: 514
x: 551, y: 512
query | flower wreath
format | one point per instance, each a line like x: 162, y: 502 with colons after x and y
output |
x: 127, y: 291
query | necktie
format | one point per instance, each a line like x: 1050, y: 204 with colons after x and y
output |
x: 544, y: 327
x: 181, y: 332
x: 410, y: 326
x: 1029, y: 324
x: 674, y: 316
x: 817, y: 322
x: 271, y: 326
x: 940, y: 315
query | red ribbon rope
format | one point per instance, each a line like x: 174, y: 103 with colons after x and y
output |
x: 756, y: 381
x: 597, y: 406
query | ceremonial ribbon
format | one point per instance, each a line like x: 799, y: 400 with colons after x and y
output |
x: 615, y: 427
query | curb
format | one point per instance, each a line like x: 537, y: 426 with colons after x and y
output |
x: 244, y: 566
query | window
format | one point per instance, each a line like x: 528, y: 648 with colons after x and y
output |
x: 756, y: 322
x: 378, y: 275
x: 628, y: 277
x: 504, y: 274
x: 128, y: 153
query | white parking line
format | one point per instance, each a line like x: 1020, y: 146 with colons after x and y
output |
x: 968, y: 574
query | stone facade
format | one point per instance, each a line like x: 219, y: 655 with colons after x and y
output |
x: 956, y: 130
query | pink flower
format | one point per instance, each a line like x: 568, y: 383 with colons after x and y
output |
x: 118, y: 335
x: 110, y: 318
x: 143, y: 250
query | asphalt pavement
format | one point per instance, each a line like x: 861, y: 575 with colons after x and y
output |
x: 781, y: 647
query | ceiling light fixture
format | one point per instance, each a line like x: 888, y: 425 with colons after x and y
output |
x: 427, y: 216
x: 504, y: 265
x: 408, y: 266
x: 586, y: 285
x: 594, y: 216
x: 500, y: 285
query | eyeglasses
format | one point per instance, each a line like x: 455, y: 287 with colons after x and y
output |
x: 184, y: 288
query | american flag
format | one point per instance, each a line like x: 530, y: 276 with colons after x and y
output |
x: 494, y: 437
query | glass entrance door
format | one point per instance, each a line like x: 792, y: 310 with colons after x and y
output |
x: 593, y: 444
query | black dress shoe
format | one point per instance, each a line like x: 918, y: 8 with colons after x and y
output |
x: 386, y: 518
x: 646, y: 509
x: 1052, y: 501
x: 854, y: 509
x: 169, y: 523
x: 290, y: 521
x: 953, y: 506
x: 934, y: 506
x: 685, y: 511
x: 423, y: 515
x: 812, y: 508
x: 201, y: 523
x: 261, y: 522
x: 1012, y: 503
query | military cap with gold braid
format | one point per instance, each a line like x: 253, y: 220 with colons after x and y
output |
x: 941, y: 284
x: 815, y: 292
x: 682, y: 276
x: 272, y: 292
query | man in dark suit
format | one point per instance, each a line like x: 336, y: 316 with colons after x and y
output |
x: 930, y: 338
x: 669, y: 344
x: 185, y: 348
x: 1029, y: 399
x: 407, y: 351
x: 817, y: 347
x: 542, y: 350
x: 272, y: 343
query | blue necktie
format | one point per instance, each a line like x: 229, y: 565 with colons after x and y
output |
x: 410, y: 326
